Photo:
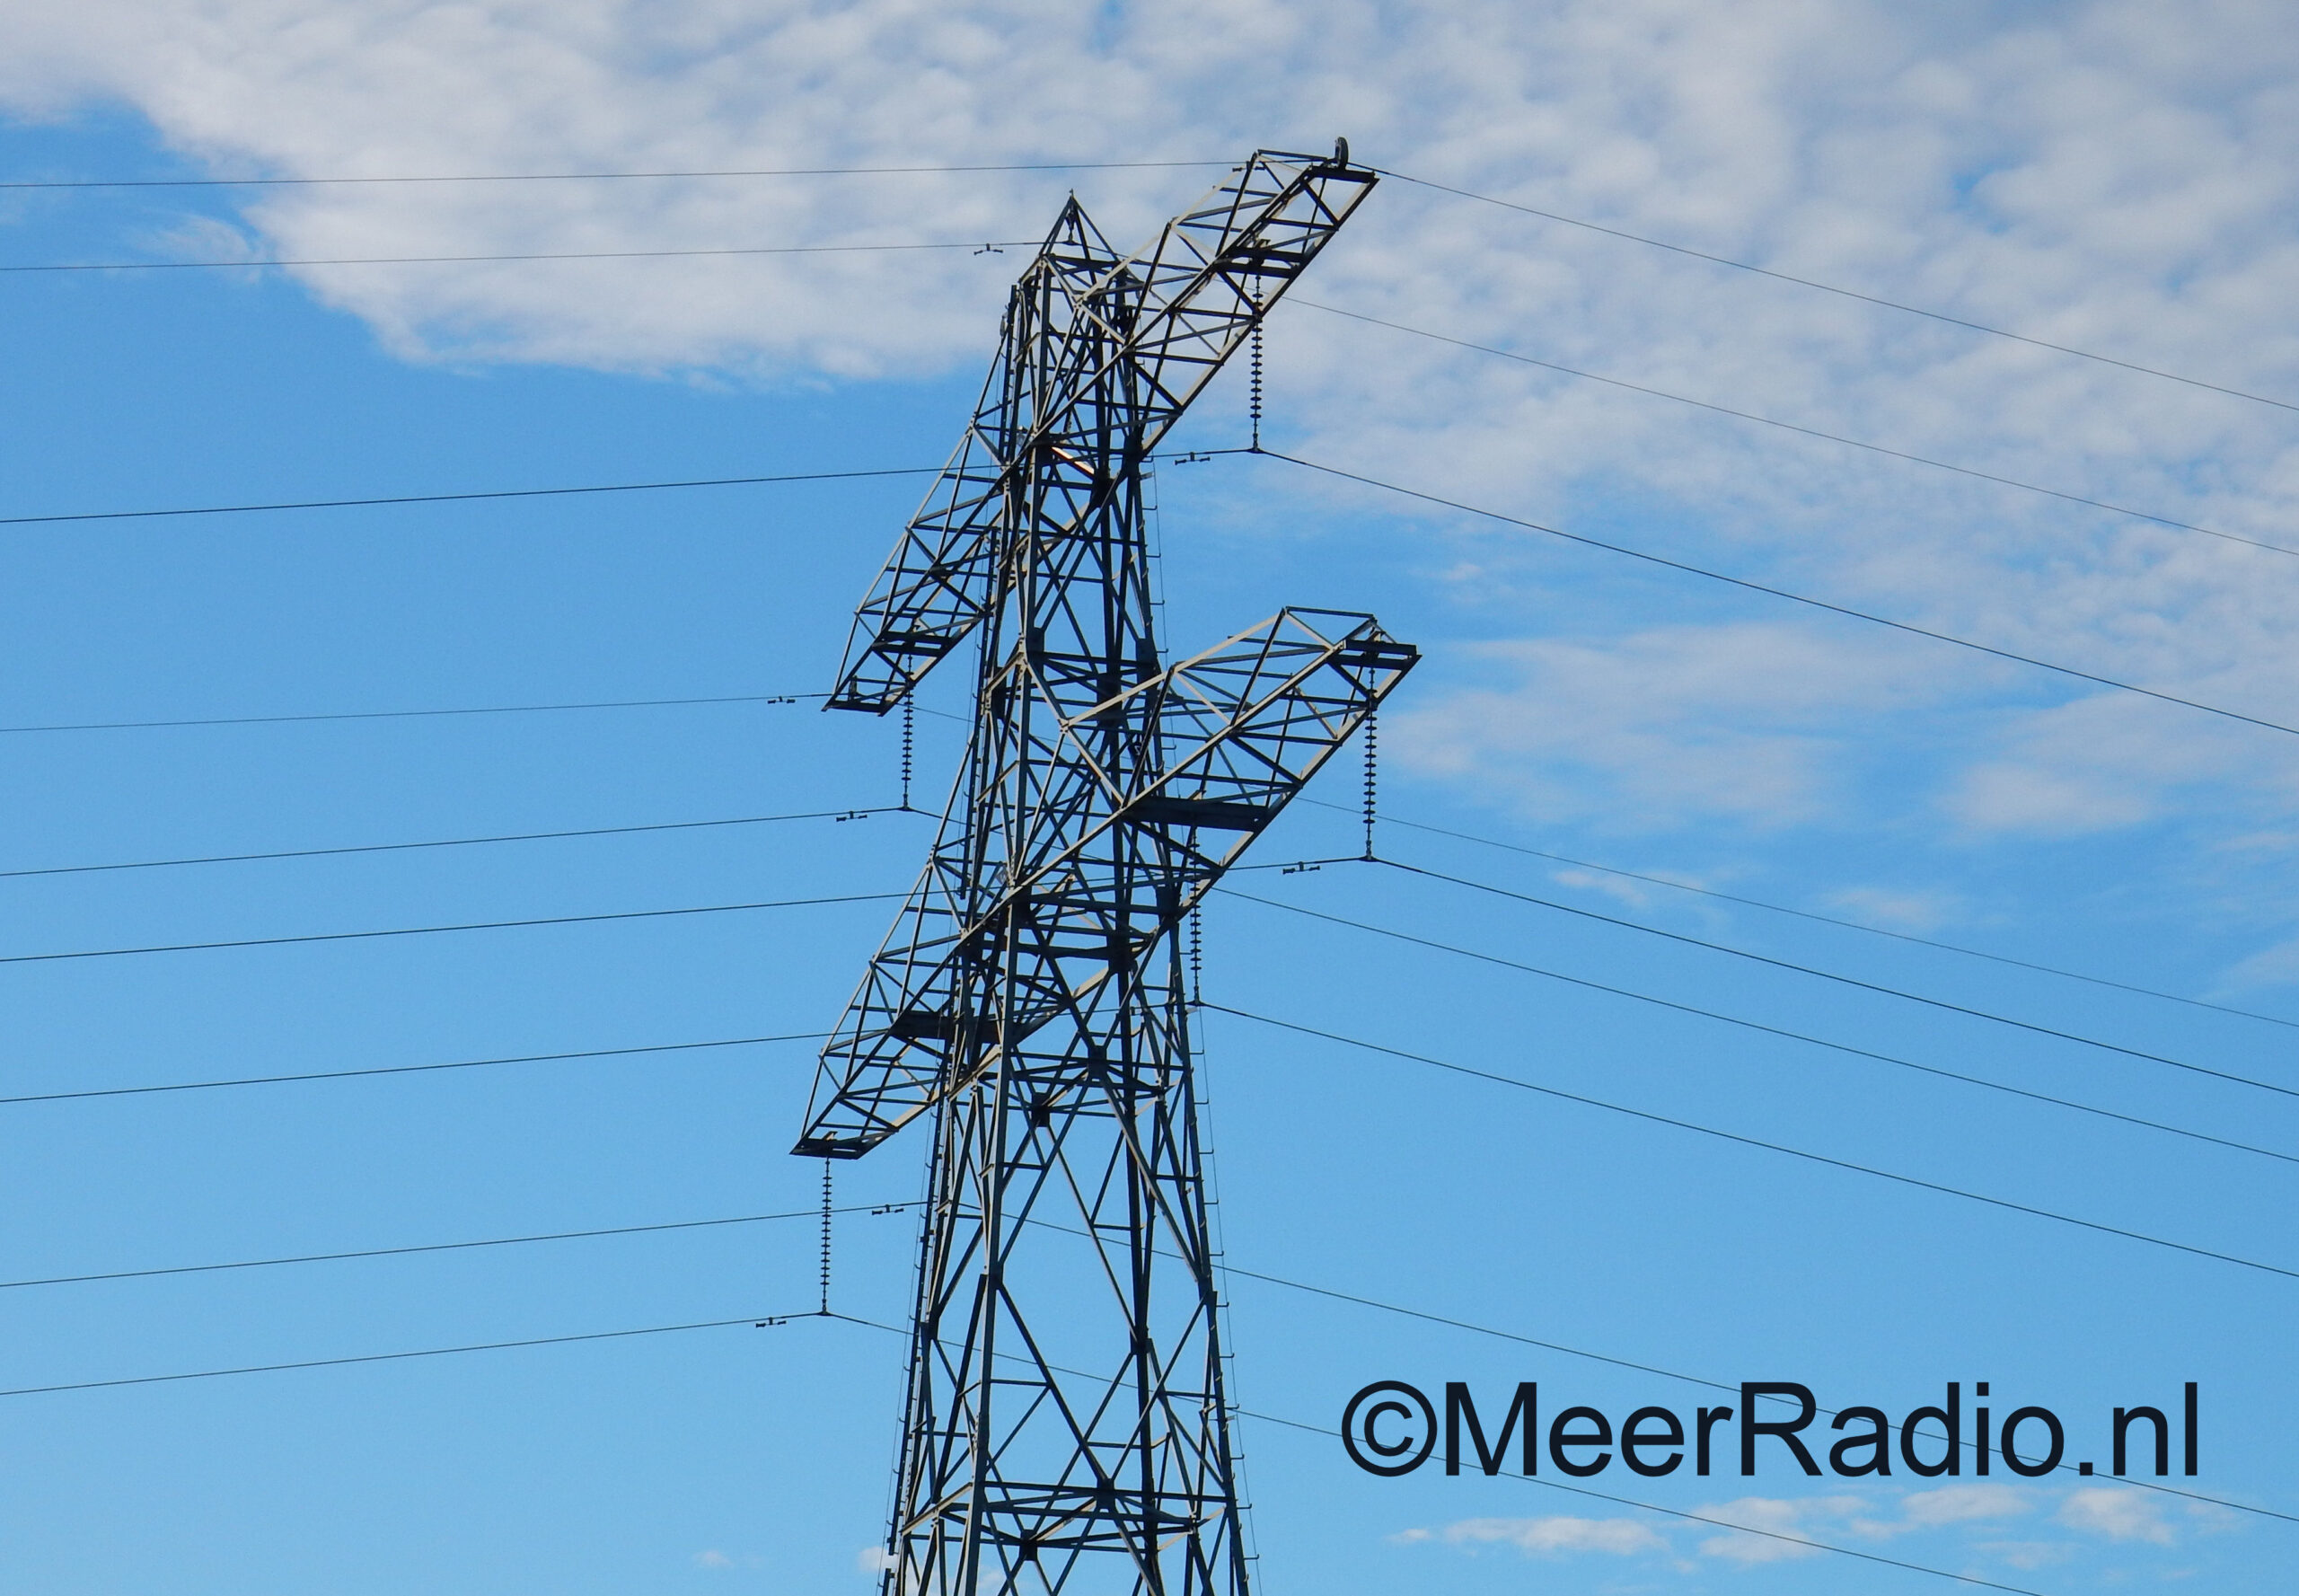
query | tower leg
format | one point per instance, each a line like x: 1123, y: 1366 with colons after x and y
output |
x: 1066, y: 1425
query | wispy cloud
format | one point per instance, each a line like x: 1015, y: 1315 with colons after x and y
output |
x: 2116, y: 174
x: 1981, y: 1517
x: 1798, y: 1518
x: 1857, y: 1518
x: 2277, y: 965
x: 2119, y: 1515
x: 1552, y: 1536
x: 1962, y: 1504
x: 1893, y: 908
x: 1747, y: 720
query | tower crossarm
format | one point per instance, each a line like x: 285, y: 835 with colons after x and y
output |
x: 1239, y: 730
x: 1169, y: 316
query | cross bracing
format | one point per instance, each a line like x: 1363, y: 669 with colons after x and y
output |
x: 1081, y: 324
x: 1066, y: 1426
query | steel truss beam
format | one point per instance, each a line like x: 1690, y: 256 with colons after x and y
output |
x: 1065, y: 1425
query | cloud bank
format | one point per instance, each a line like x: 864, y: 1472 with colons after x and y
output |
x: 2111, y: 175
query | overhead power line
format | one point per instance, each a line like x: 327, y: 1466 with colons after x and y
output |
x: 1676, y: 886
x: 1814, y: 432
x: 1820, y: 1546
x: 1227, y: 1267
x: 1804, y: 1542
x: 1981, y: 1081
x: 1807, y: 1542
x: 977, y: 246
x: 1734, y: 1019
x: 1785, y: 1035
x: 1817, y: 604
x: 1782, y: 964
x: 475, y: 1063
x: 1904, y: 1063
x: 426, y: 931
x: 399, y: 1252
x: 595, y: 830
x: 615, y: 704
x: 1369, y: 481
x: 410, y: 498
x: 1327, y: 1293
x: 596, y: 177
x: 563, y: 177
x: 1575, y: 1351
x: 407, y: 499
x: 1850, y: 925
x: 757, y: 1321
x: 1890, y: 305
x: 1331, y: 1294
x: 1577, y: 863
x: 764, y: 1322
x: 1795, y: 1153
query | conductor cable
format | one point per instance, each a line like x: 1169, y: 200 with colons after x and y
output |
x: 1890, y: 305
x: 1782, y: 964
x: 1817, y: 604
x: 1794, y: 1152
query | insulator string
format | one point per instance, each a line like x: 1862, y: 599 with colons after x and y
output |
x: 1252, y: 403
x: 1196, y: 958
x: 908, y: 732
x: 1372, y: 771
x: 826, y: 1213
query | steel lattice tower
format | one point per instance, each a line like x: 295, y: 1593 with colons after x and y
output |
x: 1065, y: 1426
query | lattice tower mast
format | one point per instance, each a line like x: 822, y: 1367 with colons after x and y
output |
x: 1065, y: 1426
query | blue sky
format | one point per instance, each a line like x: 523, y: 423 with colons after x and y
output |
x: 2065, y: 170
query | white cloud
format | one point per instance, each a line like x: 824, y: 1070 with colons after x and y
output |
x: 2102, y: 762
x: 2278, y: 966
x: 1846, y: 1517
x: 1799, y: 1520
x: 1778, y: 1528
x: 2028, y: 798
x: 873, y: 1559
x: 1737, y: 719
x: 1621, y: 889
x: 1549, y: 1536
x: 2109, y: 173
x: 2211, y: 1518
x: 1961, y: 1505
x: 1895, y: 909
x: 2117, y: 1514
x: 713, y: 1560
x: 400, y: 86
x: 2028, y: 1554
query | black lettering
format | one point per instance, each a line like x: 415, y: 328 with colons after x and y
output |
x: 1878, y: 1442
x: 2191, y: 1418
x: 1558, y: 1440
x: 1373, y: 1416
x: 1704, y: 1420
x: 1979, y: 1432
x: 1358, y: 1420
x: 2153, y: 1415
x: 1751, y: 1427
x: 1457, y: 1406
x: 2011, y: 1431
x: 1950, y: 1419
x: 1631, y: 1437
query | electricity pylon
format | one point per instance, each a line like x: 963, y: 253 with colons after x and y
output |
x: 1065, y: 1427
